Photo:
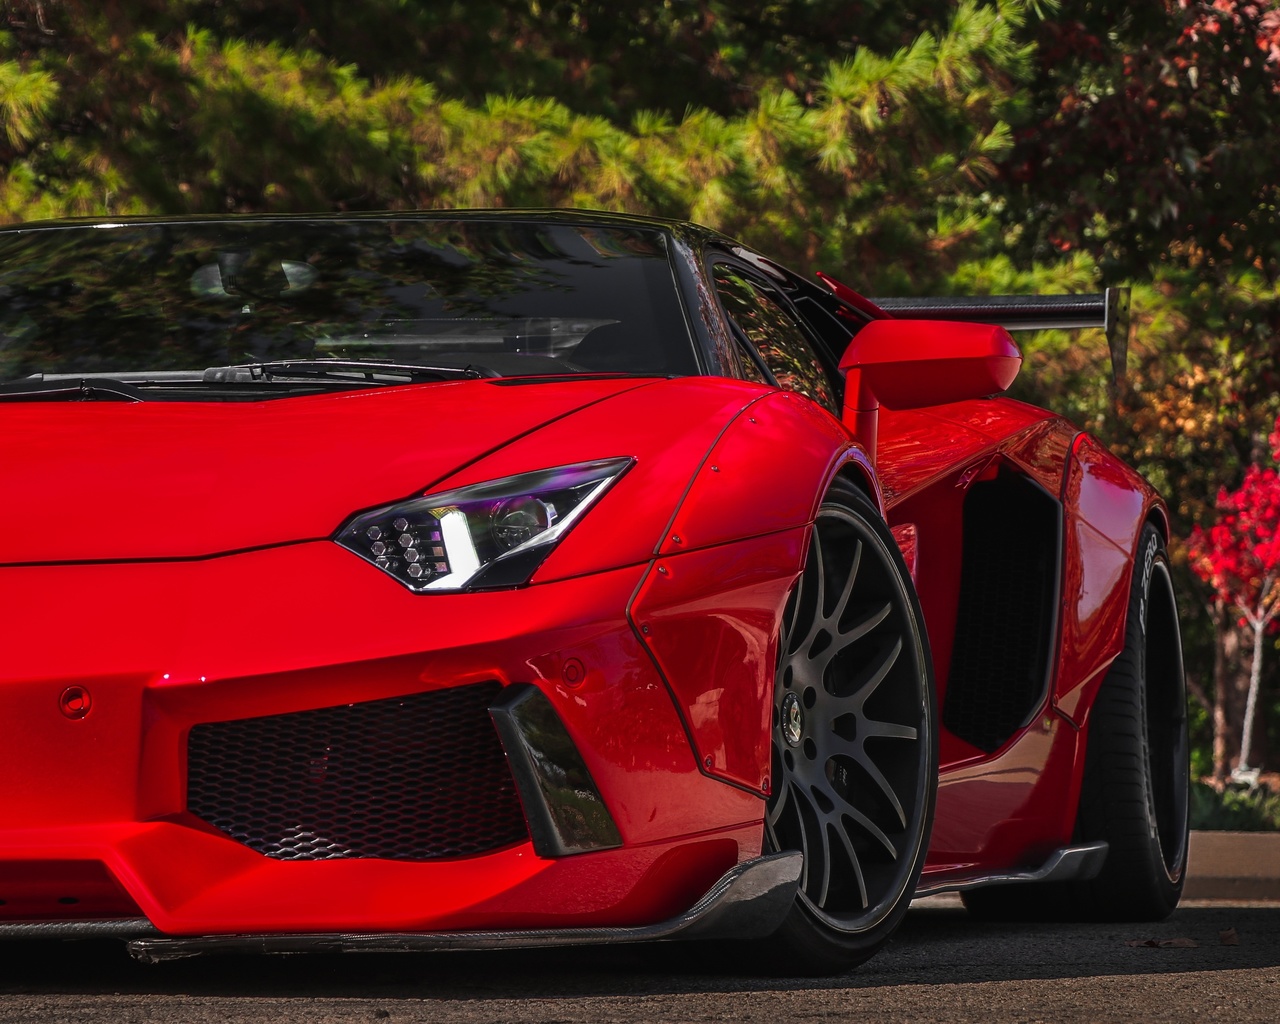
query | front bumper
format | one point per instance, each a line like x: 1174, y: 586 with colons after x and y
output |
x: 94, y: 816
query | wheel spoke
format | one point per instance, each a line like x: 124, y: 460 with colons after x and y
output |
x: 848, y: 626
x: 824, y: 890
x: 849, y: 636
x: 886, y: 730
x: 877, y: 776
x: 806, y: 858
x: 854, y: 862
x: 872, y: 676
x: 821, y: 574
x: 771, y: 837
x: 842, y: 601
x: 865, y: 623
x: 833, y: 825
x: 871, y: 828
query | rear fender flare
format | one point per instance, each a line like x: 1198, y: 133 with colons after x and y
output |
x: 1105, y: 506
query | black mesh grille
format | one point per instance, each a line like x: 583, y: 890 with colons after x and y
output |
x: 408, y: 778
x: 1000, y: 662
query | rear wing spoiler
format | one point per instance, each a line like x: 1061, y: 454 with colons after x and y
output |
x: 1108, y: 310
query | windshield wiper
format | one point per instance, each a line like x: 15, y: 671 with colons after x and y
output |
x: 341, y: 371
x: 87, y: 388
x: 297, y: 376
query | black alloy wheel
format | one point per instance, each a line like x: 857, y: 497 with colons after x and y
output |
x: 855, y: 750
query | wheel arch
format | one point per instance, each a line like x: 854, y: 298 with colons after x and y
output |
x: 769, y: 470
x: 1106, y: 505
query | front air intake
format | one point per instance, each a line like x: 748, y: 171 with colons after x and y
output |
x: 413, y: 778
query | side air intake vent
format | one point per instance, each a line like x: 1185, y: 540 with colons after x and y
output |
x: 407, y: 778
x: 1005, y: 627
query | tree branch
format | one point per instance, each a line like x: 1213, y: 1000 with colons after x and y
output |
x: 1202, y: 698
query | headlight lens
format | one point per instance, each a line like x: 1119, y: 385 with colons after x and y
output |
x: 493, y: 534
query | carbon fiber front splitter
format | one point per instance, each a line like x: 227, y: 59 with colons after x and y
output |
x: 749, y: 901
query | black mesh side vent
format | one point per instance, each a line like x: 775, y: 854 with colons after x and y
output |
x: 1006, y: 622
x: 407, y: 778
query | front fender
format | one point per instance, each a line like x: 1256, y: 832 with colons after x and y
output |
x: 710, y: 605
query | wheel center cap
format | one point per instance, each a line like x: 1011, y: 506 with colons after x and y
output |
x: 792, y: 720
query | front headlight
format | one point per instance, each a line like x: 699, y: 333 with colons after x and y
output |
x: 493, y: 534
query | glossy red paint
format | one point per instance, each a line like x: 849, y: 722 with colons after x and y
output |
x: 919, y: 447
x: 710, y: 619
x: 781, y: 446
x: 185, y: 642
x: 122, y: 480
x: 855, y: 299
x: 1011, y: 808
x: 1029, y: 790
x: 910, y: 364
x: 907, y: 537
x: 71, y: 890
x: 929, y: 457
x: 192, y: 883
x: 1106, y: 504
x: 668, y: 427
x: 1008, y: 810
x: 692, y: 677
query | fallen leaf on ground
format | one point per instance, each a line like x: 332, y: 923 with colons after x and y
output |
x: 1164, y: 943
x: 1229, y: 937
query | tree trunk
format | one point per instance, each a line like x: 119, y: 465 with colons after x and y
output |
x: 1251, y: 702
x: 1230, y: 686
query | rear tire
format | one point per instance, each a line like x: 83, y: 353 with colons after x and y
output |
x: 855, y: 746
x: 1136, y: 776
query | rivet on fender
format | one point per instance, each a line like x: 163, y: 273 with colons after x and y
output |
x: 573, y: 672
x: 75, y: 702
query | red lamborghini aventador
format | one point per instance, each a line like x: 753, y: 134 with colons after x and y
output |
x: 422, y: 581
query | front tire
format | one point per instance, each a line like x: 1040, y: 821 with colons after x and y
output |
x: 855, y: 746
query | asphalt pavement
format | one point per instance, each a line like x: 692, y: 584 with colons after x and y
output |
x: 1214, y: 960
x: 1234, y: 866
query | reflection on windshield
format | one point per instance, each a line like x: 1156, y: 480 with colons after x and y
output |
x: 521, y: 297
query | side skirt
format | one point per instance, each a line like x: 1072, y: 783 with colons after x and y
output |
x: 1069, y: 864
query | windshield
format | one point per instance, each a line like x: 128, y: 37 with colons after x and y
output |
x: 509, y: 298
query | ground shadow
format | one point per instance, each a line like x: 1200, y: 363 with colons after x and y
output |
x: 933, y: 947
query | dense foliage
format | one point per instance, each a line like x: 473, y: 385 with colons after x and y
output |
x: 943, y: 145
x: 1235, y: 809
x: 1239, y: 557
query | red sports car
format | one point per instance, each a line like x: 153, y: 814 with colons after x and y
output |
x: 421, y: 581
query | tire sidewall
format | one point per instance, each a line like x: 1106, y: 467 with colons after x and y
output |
x: 1136, y: 881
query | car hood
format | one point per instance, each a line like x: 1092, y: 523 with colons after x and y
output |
x: 91, y: 481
